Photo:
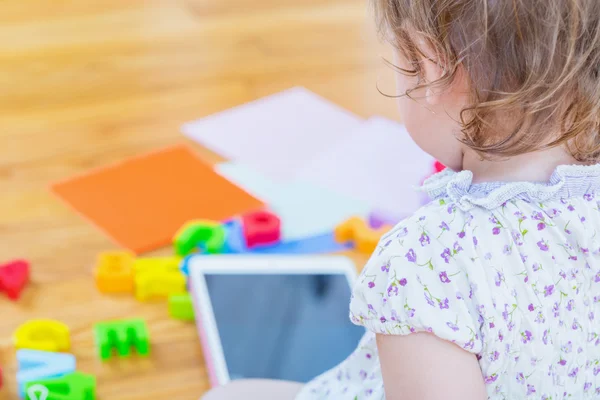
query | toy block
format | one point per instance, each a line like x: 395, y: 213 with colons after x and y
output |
x: 74, y: 386
x: 181, y: 307
x: 43, y: 334
x: 114, y: 272
x: 0, y: 378
x: 235, y: 241
x: 204, y: 234
x: 438, y: 167
x: 35, y: 364
x: 14, y: 275
x: 356, y: 230
x: 261, y: 228
x: 158, y: 277
x: 122, y: 336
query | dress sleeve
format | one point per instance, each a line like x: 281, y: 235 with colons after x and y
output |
x: 417, y: 281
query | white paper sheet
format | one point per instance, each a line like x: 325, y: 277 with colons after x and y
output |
x: 305, y: 209
x: 379, y: 164
x: 277, y: 134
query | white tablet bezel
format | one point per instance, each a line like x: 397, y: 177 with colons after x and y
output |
x: 254, y: 264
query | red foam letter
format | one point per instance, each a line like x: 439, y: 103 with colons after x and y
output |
x: 261, y: 228
x: 14, y: 275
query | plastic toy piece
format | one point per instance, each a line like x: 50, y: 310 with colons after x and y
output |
x: 14, y: 275
x: 208, y: 235
x: 43, y: 334
x: 261, y: 228
x: 356, y: 230
x: 311, y: 245
x: 114, y: 272
x: 235, y: 242
x: 35, y: 365
x: 74, y: 386
x: 158, y: 277
x: 0, y: 378
x: 181, y: 307
x: 438, y: 167
x: 122, y: 336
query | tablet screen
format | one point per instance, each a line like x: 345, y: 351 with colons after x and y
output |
x: 291, y: 327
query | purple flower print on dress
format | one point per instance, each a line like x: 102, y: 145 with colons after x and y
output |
x: 444, y: 304
x: 526, y: 336
x: 383, y: 320
x: 507, y: 249
x: 571, y: 208
x: 582, y: 219
x: 444, y: 277
x: 452, y: 326
x: 530, y: 389
x: 499, y: 278
x: 596, y: 371
x: 451, y: 208
x: 461, y: 234
x: 510, y: 326
x: 574, y: 372
x: 371, y: 284
x: 446, y: 255
x: 548, y: 290
x: 368, y: 392
x: 587, y: 386
x: 385, y: 267
x: 490, y: 379
x: 516, y: 235
x: 402, y: 282
x: 494, y: 356
x: 541, y: 226
x: 531, y: 307
x: 591, y: 316
x: 567, y: 348
x: 411, y: 312
x: 492, y: 325
x: 475, y: 241
x: 424, y: 239
x: 457, y: 248
x: 562, y: 362
x: 556, y: 309
x: 500, y: 336
x: 520, y: 377
x: 469, y: 345
x: 459, y: 296
x: 429, y: 299
x: 589, y: 196
x: 411, y: 256
x: 597, y: 277
x: 368, y: 355
x: 570, y: 305
x: 496, y: 230
x: 444, y: 226
x: 394, y: 315
x: 540, y: 319
x: 575, y: 324
x: 392, y: 290
x: 402, y: 233
x: 543, y: 245
x: 536, y: 267
x: 538, y: 216
x: 545, y: 337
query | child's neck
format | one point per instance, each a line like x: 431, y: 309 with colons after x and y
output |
x: 534, y: 167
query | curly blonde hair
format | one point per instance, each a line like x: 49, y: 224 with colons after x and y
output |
x: 532, y: 65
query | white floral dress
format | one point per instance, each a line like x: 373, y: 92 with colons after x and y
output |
x: 508, y: 271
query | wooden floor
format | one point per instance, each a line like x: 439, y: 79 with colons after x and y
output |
x: 86, y: 83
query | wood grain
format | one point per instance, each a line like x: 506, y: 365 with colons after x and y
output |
x: 86, y: 83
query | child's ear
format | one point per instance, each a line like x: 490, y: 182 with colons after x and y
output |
x: 432, y: 72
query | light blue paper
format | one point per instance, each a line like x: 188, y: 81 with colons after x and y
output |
x: 36, y: 365
x: 306, y: 210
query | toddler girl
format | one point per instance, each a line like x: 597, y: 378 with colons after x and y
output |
x: 493, y: 289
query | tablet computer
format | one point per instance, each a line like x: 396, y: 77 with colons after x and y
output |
x: 273, y: 317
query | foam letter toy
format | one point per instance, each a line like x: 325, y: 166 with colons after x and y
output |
x: 234, y: 236
x: 14, y: 275
x: 356, y: 230
x: 181, y: 307
x: 0, y: 378
x: 261, y: 228
x: 158, y: 277
x: 208, y: 235
x: 114, y: 272
x: 74, y: 386
x: 121, y: 336
x: 43, y: 334
x: 35, y: 364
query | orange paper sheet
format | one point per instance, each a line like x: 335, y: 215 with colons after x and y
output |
x: 142, y: 202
